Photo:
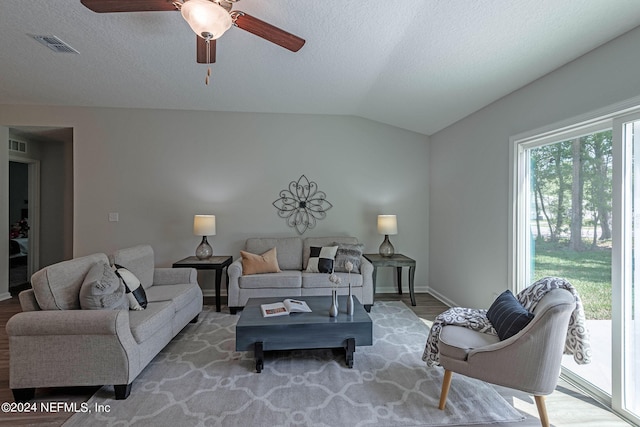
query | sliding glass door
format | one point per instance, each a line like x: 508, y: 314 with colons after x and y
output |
x: 577, y: 216
x: 566, y: 213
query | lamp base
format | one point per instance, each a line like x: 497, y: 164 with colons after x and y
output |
x: 204, y: 249
x: 386, y: 248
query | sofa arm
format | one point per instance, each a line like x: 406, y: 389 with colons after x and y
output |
x: 28, y: 300
x: 234, y: 272
x: 366, y: 270
x: 174, y: 276
x: 56, y: 348
x: 69, y: 322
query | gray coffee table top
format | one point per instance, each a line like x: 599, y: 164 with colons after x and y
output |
x: 303, y: 330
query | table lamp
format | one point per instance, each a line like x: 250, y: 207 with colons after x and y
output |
x: 204, y: 225
x: 387, y: 224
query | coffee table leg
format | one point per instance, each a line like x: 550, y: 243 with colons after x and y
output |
x: 259, y: 355
x: 350, y: 348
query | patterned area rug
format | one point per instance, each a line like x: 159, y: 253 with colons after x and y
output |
x: 200, y: 380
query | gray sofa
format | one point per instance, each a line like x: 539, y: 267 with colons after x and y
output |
x: 293, y: 281
x: 55, y: 343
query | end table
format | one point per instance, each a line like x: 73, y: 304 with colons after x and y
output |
x: 398, y: 261
x: 216, y: 263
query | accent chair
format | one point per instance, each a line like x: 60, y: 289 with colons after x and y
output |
x: 529, y: 361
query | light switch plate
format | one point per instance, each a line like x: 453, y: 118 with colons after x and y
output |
x: 113, y: 217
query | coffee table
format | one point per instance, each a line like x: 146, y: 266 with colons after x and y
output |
x: 303, y: 330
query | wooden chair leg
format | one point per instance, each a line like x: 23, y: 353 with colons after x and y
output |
x: 446, y: 383
x: 542, y: 411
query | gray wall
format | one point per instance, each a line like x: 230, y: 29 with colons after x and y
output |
x: 469, y: 167
x: 56, y: 202
x: 158, y: 168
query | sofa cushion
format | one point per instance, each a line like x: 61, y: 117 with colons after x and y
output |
x: 266, y: 262
x: 102, y: 289
x: 315, y: 280
x: 322, y: 241
x: 135, y: 292
x: 289, y: 250
x: 180, y: 294
x: 508, y: 316
x: 321, y: 259
x: 139, y: 260
x: 145, y: 323
x: 284, y: 279
x: 348, y: 253
x: 57, y: 286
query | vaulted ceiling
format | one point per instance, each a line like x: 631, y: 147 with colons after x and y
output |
x: 420, y: 65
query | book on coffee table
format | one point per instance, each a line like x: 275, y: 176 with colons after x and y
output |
x: 284, y: 308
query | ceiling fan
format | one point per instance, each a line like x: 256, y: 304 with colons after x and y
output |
x: 209, y: 19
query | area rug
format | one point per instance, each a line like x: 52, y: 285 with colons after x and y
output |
x: 200, y: 380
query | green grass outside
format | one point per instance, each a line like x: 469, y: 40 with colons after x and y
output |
x: 589, y: 271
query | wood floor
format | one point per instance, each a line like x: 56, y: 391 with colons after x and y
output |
x: 566, y: 406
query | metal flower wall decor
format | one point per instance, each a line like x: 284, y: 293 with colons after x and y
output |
x: 302, y: 205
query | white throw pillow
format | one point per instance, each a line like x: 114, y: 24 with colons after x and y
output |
x: 321, y: 259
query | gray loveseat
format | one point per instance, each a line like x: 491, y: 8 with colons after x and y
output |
x: 55, y: 343
x: 293, y: 281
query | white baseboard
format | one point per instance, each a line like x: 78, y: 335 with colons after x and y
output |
x: 212, y: 292
x: 5, y: 296
x: 393, y: 289
x: 442, y: 298
x: 380, y: 290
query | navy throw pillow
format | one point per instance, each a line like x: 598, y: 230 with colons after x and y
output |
x: 508, y: 316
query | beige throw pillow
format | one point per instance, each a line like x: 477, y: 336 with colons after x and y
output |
x: 255, y: 264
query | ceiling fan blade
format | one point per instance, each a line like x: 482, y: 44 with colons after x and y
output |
x: 104, y: 6
x: 268, y: 31
x: 201, y: 51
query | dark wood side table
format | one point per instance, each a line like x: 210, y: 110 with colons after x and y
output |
x: 398, y: 261
x: 216, y: 263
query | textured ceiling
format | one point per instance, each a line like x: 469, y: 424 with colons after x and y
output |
x: 416, y: 64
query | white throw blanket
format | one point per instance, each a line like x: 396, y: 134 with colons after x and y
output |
x: 577, y: 343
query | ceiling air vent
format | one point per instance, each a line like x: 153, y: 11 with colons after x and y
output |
x: 55, y: 44
x: 19, y: 146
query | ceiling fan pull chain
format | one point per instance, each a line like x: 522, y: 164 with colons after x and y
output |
x: 206, y: 79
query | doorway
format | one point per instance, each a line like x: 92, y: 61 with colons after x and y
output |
x: 40, y: 205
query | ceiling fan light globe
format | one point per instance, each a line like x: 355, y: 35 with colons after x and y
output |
x: 206, y: 18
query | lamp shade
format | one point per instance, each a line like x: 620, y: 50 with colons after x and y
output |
x: 387, y: 224
x: 207, y: 19
x: 204, y: 225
